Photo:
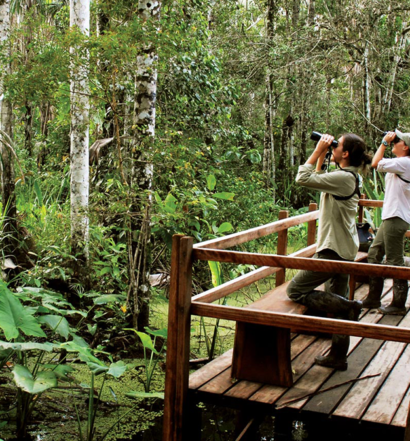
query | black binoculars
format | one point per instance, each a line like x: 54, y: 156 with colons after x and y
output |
x: 315, y: 136
x: 395, y: 140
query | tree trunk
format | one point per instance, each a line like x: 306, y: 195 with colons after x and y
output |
x: 10, y: 232
x: 79, y: 17
x: 141, y: 176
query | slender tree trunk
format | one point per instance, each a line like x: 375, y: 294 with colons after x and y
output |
x: 367, y: 89
x: 141, y: 177
x: 80, y: 17
x: 10, y: 233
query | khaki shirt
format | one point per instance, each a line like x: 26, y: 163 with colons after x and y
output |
x: 337, y: 219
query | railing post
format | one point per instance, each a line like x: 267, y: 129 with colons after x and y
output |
x: 361, y: 209
x: 282, y: 247
x: 311, y: 236
x: 179, y: 319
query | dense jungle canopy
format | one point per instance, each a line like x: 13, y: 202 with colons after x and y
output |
x: 124, y: 122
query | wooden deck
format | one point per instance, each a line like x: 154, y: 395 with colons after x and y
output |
x: 383, y: 398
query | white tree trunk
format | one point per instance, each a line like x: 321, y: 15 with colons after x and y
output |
x: 80, y: 108
x: 142, y: 173
x: 4, y: 35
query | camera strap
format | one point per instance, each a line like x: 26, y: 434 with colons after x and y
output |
x: 356, y: 190
x: 404, y: 180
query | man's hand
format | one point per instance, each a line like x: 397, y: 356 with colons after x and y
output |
x: 324, y: 143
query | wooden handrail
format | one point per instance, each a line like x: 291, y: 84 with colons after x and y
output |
x: 258, y: 232
x: 247, y: 279
x: 302, y: 322
x: 331, y: 266
x: 274, y: 227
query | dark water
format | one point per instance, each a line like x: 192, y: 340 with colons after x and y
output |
x: 224, y: 424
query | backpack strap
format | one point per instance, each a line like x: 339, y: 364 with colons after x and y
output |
x: 404, y: 180
x: 356, y: 190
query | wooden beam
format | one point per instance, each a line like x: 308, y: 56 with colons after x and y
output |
x: 370, y: 203
x: 302, y: 322
x: 226, y: 288
x: 256, y: 233
x: 332, y: 266
x: 282, y: 247
x: 311, y: 236
x: 361, y: 209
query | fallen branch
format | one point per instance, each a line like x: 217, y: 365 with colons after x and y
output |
x: 294, y: 400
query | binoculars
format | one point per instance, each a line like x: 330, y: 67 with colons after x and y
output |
x: 395, y: 140
x: 315, y: 136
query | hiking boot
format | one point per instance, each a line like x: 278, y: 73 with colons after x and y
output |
x: 375, y: 292
x: 331, y: 362
x: 337, y: 355
x: 397, y: 306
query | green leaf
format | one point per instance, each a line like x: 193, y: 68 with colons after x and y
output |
x: 108, y: 298
x: 158, y: 333
x: 96, y: 368
x: 145, y: 395
x: 216, y: 272
x: 225, y: 195
x: 226, y: 226
x: 57, y: 324
x: 14, y: 316
x: 170, y: 203
x: 117, y: 369
x: 27, y: 346
x: 61, y: 370
x: 25, y: 380
x: 211, y: 182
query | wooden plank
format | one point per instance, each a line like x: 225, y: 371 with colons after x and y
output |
x: 361, y: 394
x: 370, y: 203
x: 247, y: 279
x: 387, y: 401
x: 334, y: 266
x: 219, y: 384
x: 361, y: 352
x: 305, y: 323
x: 400, y: 418
x: 282, y: 247
x: 210, y: 370
x: 270, y: 394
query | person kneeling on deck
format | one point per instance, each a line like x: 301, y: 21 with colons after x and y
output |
x: 337, y: 235
x: 395, y: 221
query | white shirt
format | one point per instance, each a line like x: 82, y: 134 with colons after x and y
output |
x: 397, y: 193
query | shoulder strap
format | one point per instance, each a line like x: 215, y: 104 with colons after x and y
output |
x: 356, y: 190
x: 405, y: 180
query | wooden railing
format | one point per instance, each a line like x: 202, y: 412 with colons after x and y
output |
x: 182, y: 305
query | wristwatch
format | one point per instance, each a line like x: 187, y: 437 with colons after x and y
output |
x: 385, y: 143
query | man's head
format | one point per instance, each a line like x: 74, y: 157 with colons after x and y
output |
x: 401, y: 144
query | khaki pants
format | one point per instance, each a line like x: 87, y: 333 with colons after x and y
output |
x: 306, y: 281
x: 389, y: 242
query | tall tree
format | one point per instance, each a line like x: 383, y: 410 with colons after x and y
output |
x: 9, y: 239
x: 79, y: 153
x: 142, y: 172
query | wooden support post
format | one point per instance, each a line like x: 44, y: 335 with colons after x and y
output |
x: 282, y: 247
x: 311, y: 237
x: 179, y: 319
x: 361, y: 209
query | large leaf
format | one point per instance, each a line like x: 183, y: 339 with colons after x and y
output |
x: 25, y: 380
x: 216, y: 271
x: 211, y: 182
x: 145, y: 395
x: 57, y: 324
x: 27, y: 346
x: 226, y: 226
x: 225, y: 195
x: 117, y: 369
x: 108, y: 298
x: 14, y: 317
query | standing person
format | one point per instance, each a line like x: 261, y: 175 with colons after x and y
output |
x: 337, y: 235
x: 395, y: 221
